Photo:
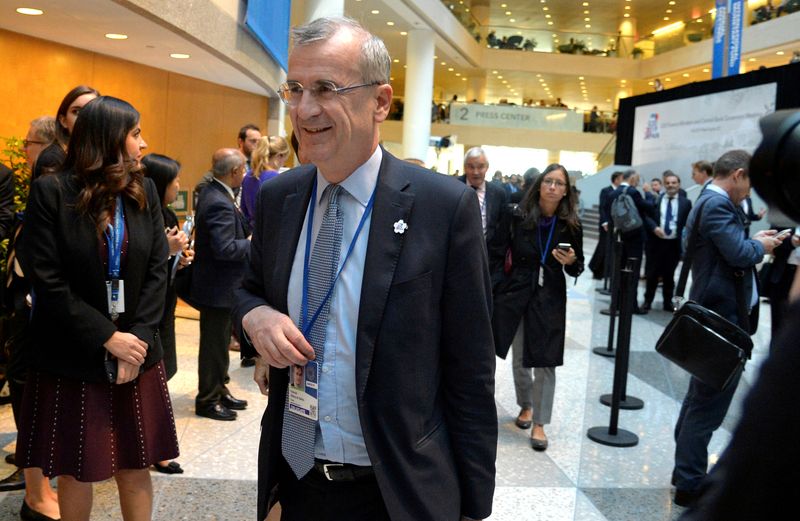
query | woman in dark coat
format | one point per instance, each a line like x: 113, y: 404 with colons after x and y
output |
x: 530, y: 304
x: 96, y: 403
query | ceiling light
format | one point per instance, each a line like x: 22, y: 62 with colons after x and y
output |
x: 588, y: 26
x: 580, y: 77
x: 499, y: 77
x: 375, y: 11
x: 389, y: 23
x: 780, y: 53
x: 511, y: 20
x: 179, y: 56
x: 587, y: 19
x: 503, y: 5
x: 669, y: 11
x: 115, y: 36
x: 672, y: 2
x: 547, y: 16
x: 494, y: 72
x: 463, y: 79
x: 627, y: 15
x: 705, y: 70
x: 667, y: 79
x: 685, y: 74
x: 585, y: 4
x: 391, y: 78
x: 443, y: 63
x: 550, y: 23
x: 508, y: 13
x: 29, y: 11
x: 450, y: 69
x: 627, y: 7
x: 545, y: 8
x: 586, y: 12
x: 650, y: 83
x: 458, y: 74
x: 396, y: 60
x: 751, y: 59
x: 403, y: 33
x: 666, y: 18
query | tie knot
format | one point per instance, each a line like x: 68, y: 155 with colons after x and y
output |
x: 474, y: 187
x: 333, y: 193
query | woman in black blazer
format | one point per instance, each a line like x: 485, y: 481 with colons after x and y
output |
x: 530, y: 304
x: 96, y: 402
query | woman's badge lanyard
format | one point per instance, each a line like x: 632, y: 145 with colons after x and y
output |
x: 544, y: 251
x: 115, y: 287
x: 306, y: 322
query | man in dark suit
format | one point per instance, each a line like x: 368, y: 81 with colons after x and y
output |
x: 401, y: 422
x: 491, y: 198
x: 633, y: 240
x: 664, y: 241
x: 721, y: 252
x: 222, y: 248
x: 602, y: 252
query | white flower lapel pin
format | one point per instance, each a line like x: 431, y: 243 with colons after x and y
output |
x: 400, y: 227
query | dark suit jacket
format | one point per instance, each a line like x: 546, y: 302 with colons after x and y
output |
x: 221, y: 248
x: 684, y: 207
x: 60, y: 254
x: 424, y: 355
x: 6, y: 201
x: 605, y: 205
x: 721, y: 250
x: 496, y: 200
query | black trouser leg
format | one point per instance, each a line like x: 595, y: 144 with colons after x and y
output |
x: 213, y: 358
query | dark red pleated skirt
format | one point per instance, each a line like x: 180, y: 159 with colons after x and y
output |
x: 92, y: 430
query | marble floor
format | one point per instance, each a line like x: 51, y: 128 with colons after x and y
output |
x: 575, y: 479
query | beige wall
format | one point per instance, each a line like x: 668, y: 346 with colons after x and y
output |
x: 182, y: 117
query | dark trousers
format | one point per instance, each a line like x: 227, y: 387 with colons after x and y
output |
x: 213, y: 359
x: 702, y: 412
x: 663, y: 256
x: 314, y: 497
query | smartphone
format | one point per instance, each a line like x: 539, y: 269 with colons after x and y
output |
x: 564, y: 246
x: 784, y: 233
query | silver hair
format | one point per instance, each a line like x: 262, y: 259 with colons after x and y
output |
x: 375, y: 63
x: 475, y: 152
x: 225, y: 163
x: 45, y: 128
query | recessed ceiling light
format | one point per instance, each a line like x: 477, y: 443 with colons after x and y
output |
x: 508, y: 13
x: 511, y: 20
x: 780, y: 53
x: 499, y: 77
x: 627, y: 15
x: 685, y: 74
x: 586, y: 11
x: 667, y: 79
x: 450, y: 69
x: 666, y: 18
x: 650, y: 83
x: 115, y: 36
x: 443, y: 63
x: 503, y: 5
x: 545, y: 8
x: 669, y: 11
x: 396, y: 60
x: 627, y: 7
x: 179, y: 56
x: 588, y: 26
x: 403, y: 33
x: 463, y: 79
x: 550, y: 23
x: 672, y: 2
x: 30, y: 11
x: 751, y: 59
x: 375, y: 11
x: 548, y: 16
x: 585, y: 4
x: 435, y: 57
x: 389, y: 23
x: 458, y: 74
x: 587, y: 19
x: 391, y: 78
x: 580, y: 77
x: 494, y: 72
x: 705, y: 70
x: 623, y: 81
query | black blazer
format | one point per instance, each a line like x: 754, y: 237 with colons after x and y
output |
x: 60, y: 253
x: 6, y: 201
x: 605, y: 205
x: 424, y: 355
x: 684, y: 207
x: 221, y: 248
x: 496, y: 200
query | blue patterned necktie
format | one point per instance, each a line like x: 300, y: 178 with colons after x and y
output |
x: 298, y: 436
x: 668, y: 218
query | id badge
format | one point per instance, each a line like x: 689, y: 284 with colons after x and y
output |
x: 303, y: 387
x: 115, y: 292
x: 541, y: 277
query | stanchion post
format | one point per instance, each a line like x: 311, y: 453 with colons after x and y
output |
x: 616, y: 260
x: 612, y: 435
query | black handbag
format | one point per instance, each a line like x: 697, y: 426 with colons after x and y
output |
x: 706, y: 345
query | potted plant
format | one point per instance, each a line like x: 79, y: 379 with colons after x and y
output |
x: 637, y: 52
x: 13, y: 156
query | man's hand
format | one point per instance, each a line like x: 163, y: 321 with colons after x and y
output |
x: 261, y: 376
x: 768, y: 240
x: 605, y: 226
x: 660, y: 233
x: 276, y: 338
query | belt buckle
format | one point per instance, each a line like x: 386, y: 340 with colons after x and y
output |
x: 326, y: 469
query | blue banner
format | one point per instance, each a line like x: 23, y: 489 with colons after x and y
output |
x: 736, y: 17
x: 268, y: 20
x: 718, y: 62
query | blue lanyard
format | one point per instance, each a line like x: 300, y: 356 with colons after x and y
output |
x: 114, y: 235
x: 306, y: 325
x: 544, y: 250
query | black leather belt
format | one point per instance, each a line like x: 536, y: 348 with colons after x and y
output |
x: 342, y: 471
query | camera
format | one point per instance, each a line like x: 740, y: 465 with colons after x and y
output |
x: 775, y: 167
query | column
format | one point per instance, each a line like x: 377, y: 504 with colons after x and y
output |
x: 418, y: 93
x: 276, y: 118
x: 627, y: 34
x: 319, y: 8
x: 476, y: 88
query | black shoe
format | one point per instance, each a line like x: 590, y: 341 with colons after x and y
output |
x: 686, y: 498
x: 173, y: 467
x: 523, y: 424
x: 16, y: 481
x: 640, y: 311
x: 233, y: 403
x: 646, y: 306
x: 11, y: 459
x: 26, y: 513
x: 248, y: 362
x: 669, y: 307
x: 215, y: 411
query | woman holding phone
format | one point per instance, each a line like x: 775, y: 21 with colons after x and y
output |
x: 545, y: 238
x: 96, y: 404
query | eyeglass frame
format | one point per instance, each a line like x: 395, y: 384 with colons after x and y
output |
x: 554, y: 182
x: 283, y: 90
x: 26, y: 142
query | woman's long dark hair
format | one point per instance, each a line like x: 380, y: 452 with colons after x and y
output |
x: 162, y: 170
x: 566, y: 210
x: 98, y: 156
x: 62, y: 134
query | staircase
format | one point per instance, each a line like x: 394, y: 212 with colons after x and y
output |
x: 591, y: 222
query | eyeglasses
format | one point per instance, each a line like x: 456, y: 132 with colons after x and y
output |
x: 554, y: 182
x: 27, y: 142
x: 291, y: 92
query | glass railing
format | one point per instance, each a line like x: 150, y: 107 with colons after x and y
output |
x: 670, y: 37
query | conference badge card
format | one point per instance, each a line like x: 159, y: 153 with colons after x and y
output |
x: 303, y: 386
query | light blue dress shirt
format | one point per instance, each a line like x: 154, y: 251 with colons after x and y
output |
x: 339, y: 436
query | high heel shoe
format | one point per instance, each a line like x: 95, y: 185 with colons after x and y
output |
x: 26, y: 513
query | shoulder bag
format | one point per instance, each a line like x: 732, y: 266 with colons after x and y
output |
x: 700, y: 341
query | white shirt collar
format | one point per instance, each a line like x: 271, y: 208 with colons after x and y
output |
x: 227, y: 188
x: 715, y: 188
x: 361, y: 183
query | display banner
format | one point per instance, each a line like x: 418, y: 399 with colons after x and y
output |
x: 268, y: 20
x: 514, y: 116
x: 736, y: 17
x: 719, y: 60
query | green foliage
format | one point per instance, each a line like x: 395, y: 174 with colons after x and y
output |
x: 13, y: 156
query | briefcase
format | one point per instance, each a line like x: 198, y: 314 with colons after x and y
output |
x: 709, y: 347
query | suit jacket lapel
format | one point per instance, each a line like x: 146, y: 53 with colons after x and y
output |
x: 392, y: 203
x: 292, y: 216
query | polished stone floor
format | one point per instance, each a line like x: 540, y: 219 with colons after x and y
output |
x: 576, y: 479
